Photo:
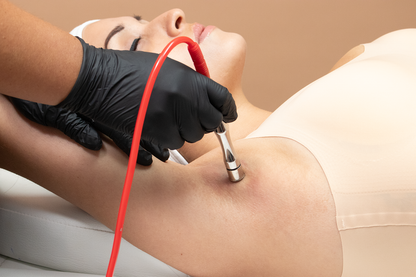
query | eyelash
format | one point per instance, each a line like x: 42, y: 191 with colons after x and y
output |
x: 134, y: 44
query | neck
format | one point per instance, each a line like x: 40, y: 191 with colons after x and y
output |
x: 249, y: 119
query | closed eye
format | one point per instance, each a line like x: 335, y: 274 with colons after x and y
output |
x: 134, y: 44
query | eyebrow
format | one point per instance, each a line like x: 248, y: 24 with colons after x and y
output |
x: 117, y: 29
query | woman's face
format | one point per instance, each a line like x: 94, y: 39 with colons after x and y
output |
x: 223, y: 52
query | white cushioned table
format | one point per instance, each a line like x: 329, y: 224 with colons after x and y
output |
x: 49, y: 234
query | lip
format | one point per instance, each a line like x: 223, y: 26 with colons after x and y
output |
x: 201, y: 32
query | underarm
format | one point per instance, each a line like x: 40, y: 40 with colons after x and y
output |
x: 190, y: 217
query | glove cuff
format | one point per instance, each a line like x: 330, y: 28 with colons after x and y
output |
x: 80, y: 98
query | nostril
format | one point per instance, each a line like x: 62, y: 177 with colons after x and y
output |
x: 178, y: 22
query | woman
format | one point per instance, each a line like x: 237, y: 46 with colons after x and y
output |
x: 327, y: 174
x: 98, y: 84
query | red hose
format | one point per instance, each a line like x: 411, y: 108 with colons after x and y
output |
x: 202, y: 68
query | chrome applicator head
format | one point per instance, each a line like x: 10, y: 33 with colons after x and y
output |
x: 233, y: 165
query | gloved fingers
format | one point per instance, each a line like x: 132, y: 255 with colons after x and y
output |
x: 222, y: 100
x: 192, y: 129
x: 210, y: 118
x: 68, y: 122
x: 76, y: 128
x: 31, y: 110
x: 143, y: 157
x: 124, y: 141
x: 156, y: 150
x: 209, y: 115
x: 229, y: 106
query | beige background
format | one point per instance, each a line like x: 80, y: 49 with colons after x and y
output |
x: 290, y: 42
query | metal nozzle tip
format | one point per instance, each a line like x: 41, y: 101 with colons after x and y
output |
x: 236, y: 175
x: 232, y: 164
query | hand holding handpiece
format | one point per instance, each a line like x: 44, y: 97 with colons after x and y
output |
x: 185, y: 104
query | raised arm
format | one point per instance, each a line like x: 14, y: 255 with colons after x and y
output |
x: 278, y: 221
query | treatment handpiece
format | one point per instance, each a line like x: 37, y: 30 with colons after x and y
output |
x: 233, y: 165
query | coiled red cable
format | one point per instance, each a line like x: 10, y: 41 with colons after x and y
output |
x: 201, y: 67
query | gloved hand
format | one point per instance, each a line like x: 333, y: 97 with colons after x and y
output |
x: 183, y: 107
x: 83, y: 130
x: 123, y: 141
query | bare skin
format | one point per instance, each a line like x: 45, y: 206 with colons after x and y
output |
x: 32, y: 64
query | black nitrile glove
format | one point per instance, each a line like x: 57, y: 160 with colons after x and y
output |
x: 68, y: 122
x: 123, y: 141
x: 183, y: 107
x: 83, y: 130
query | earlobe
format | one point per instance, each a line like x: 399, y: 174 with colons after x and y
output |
x: 349, y: 56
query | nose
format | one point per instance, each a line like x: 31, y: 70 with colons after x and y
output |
x: 175, y: 22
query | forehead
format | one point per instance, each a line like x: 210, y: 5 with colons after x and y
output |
x: 96, y: 33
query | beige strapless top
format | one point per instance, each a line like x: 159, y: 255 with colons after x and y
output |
x: 360, y: 123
